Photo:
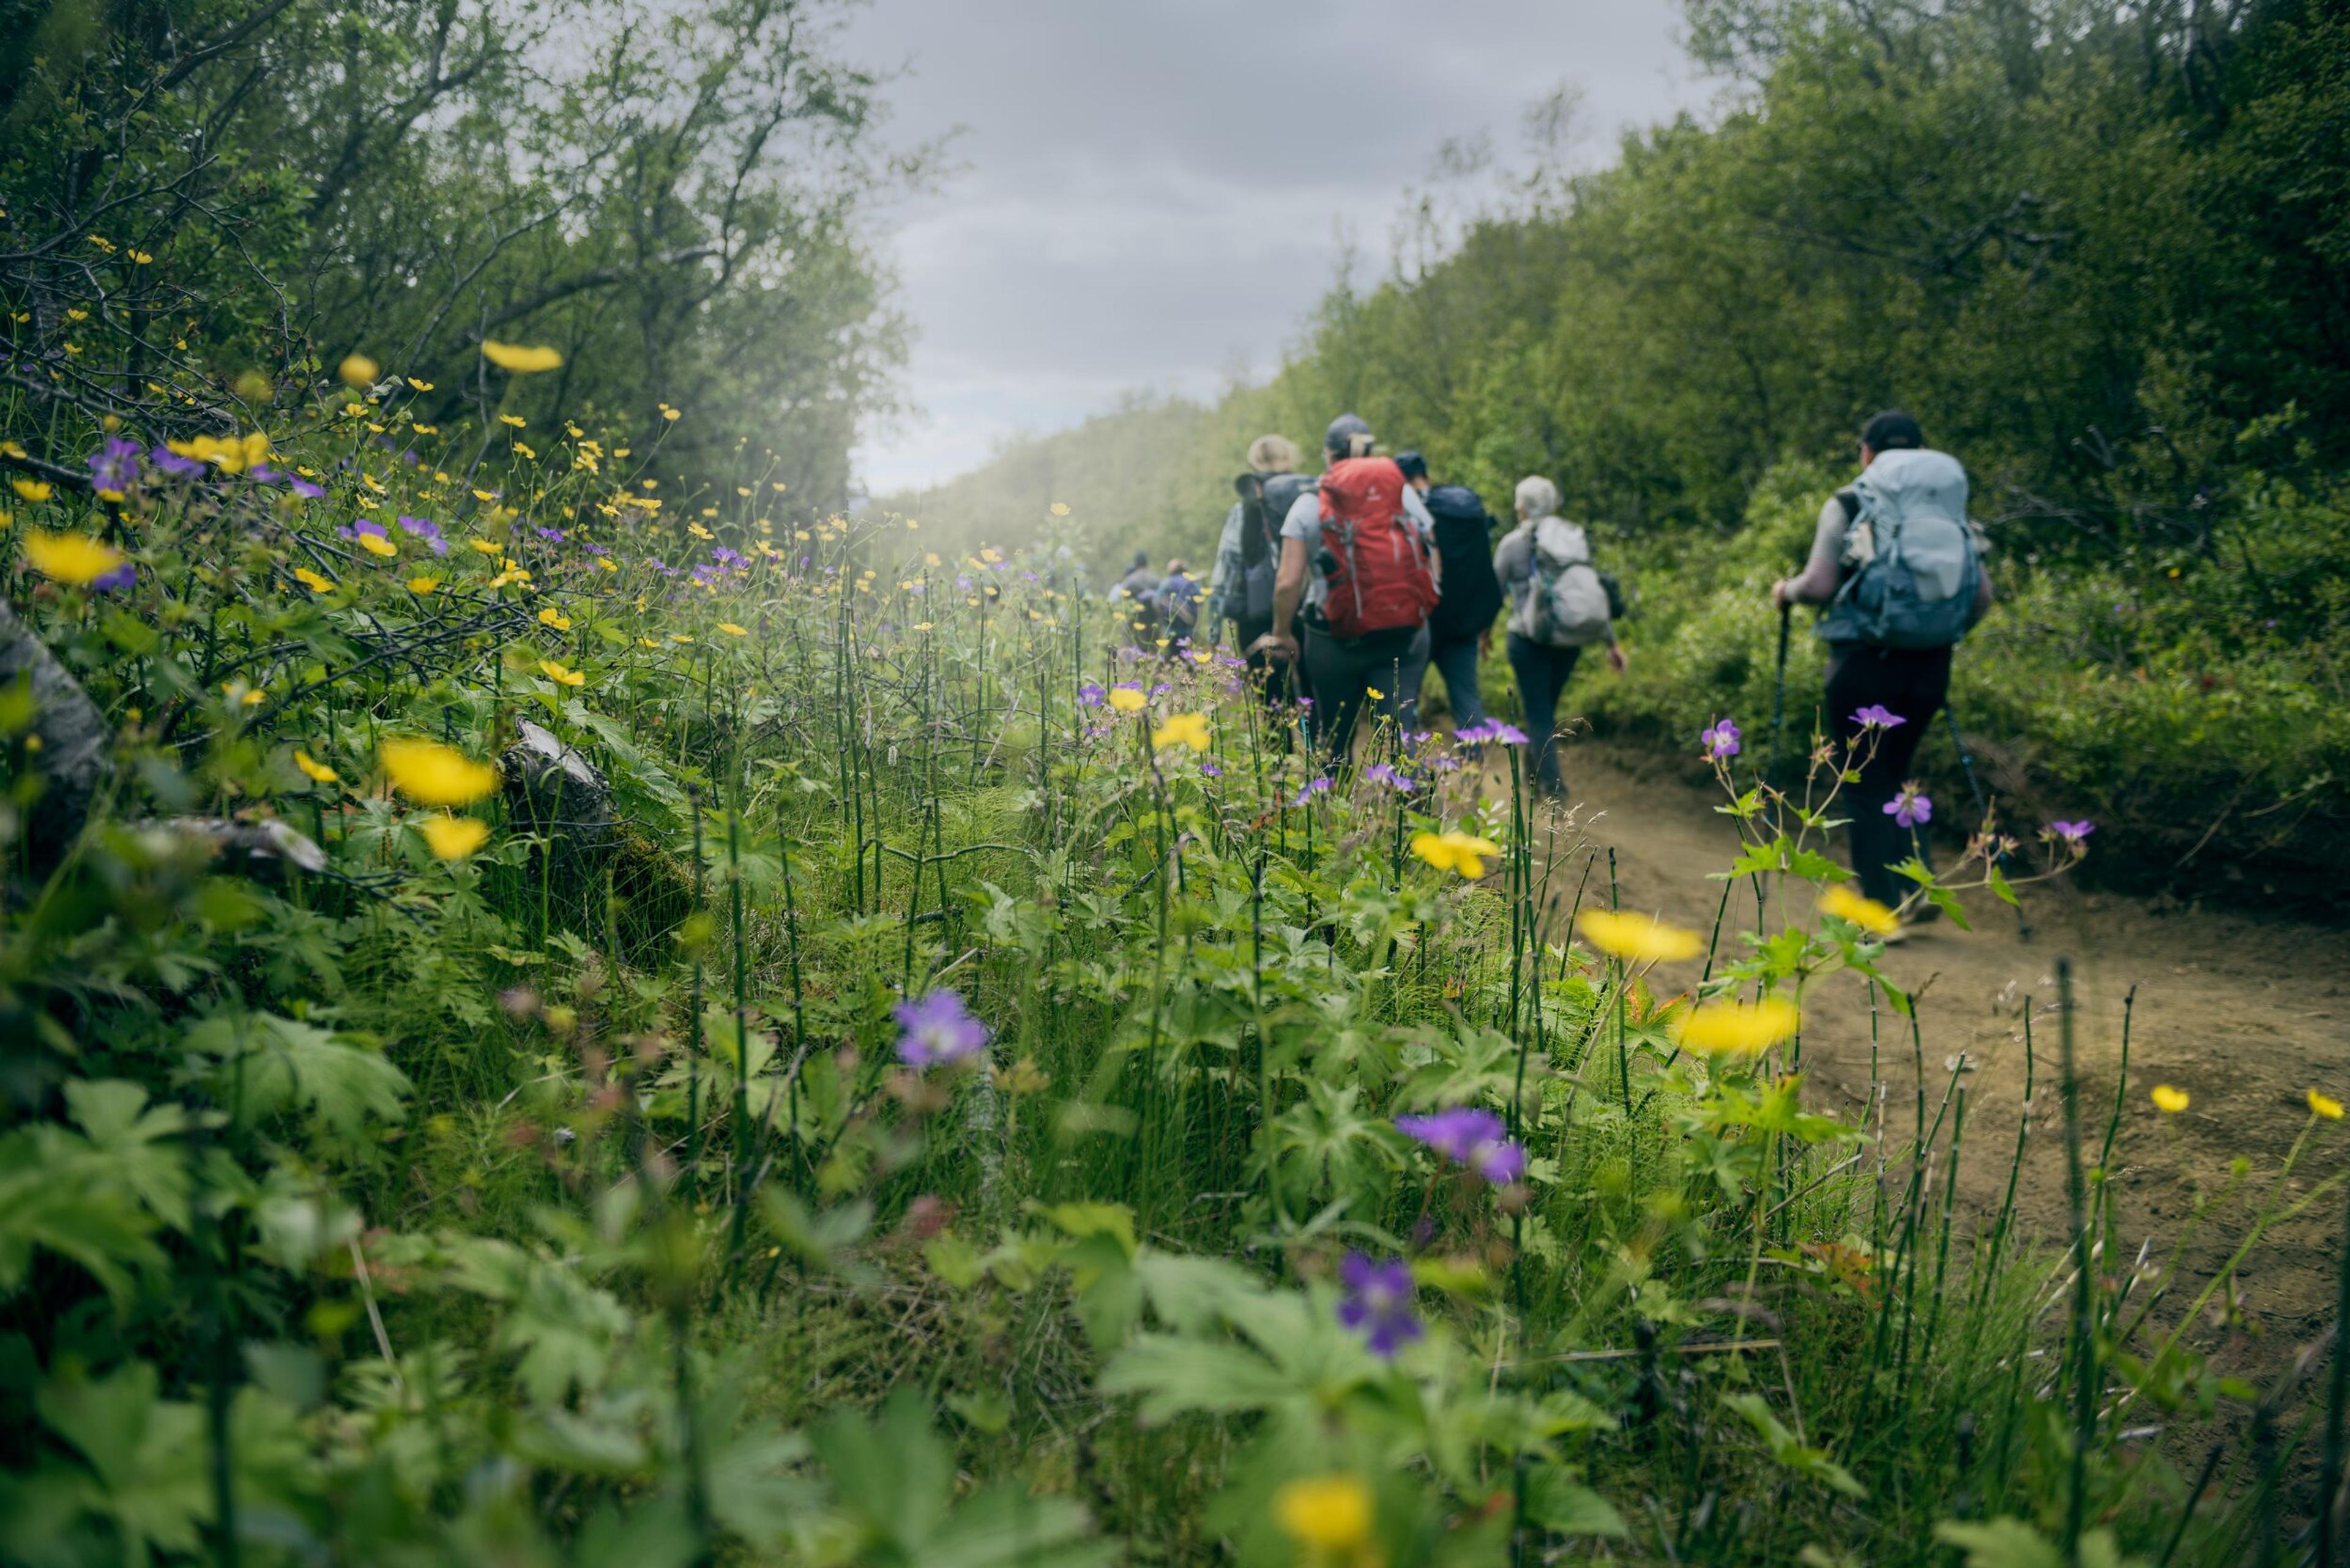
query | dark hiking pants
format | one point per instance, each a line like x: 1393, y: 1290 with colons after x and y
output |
x: 1912, y: 684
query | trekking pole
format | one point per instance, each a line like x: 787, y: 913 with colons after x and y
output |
x: 1779, y: 695
x: 1983, y: 805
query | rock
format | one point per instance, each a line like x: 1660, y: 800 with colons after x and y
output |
x: 73, y: 759
x: 551, y: 789
x: 262, y: 849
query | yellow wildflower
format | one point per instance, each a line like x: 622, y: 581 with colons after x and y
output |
x: 1637, y: 938
x: 1127, y: 699
x: 2169, y: 1101
x: 1860, y: 909
x: 555, y: 617
x: 313, y: 581
x: 430, y: 773
x: 2325, y: 1106
x: 561, y: 674
x: 72, y: 558
x: 315, y: 771
x: 1059, y: 509
x: 1328, y: 1513
x: 486, y: 546
x: 419, y: 385
x: 520, y: 360
x: 731, y: 629
x: 1736, y: 1028
x: 376, y: 545
x: 1182, y: 729
x: 422, y: 585
x: 1455, y: 851
x: 514, y: 420
x: 453, y: 837
x: 358, y: 372
x: 32, y: 489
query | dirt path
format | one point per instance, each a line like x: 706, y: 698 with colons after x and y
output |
x: 2245, y: 1014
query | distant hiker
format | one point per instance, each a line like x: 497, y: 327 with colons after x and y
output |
x: 1178, y: 598
x: 1137, y: 588
x: 1355, y: 552
x: 1559, y: 605
x: 1460, y: 628
x: 1899, y: 568
x: 1248, y: 557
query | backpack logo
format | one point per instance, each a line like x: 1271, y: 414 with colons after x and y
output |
x: 1377, y: 572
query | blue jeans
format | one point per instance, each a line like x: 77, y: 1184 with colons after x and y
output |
x: 1457, y: 662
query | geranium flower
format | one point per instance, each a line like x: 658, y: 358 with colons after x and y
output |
x: 114, y: 467
x: 938, y: 1029
x: 1386, y: 777
x: 1636, y: 939
x: 180, y: 467
x: 429, y: 532
x: 1468, y: 1137
x: 1911, y: 806
x: 2072, y: 835
x: 1877, y: 716
x: 1312, y: 787
x: 1378, y: 1302
x: 1720, y: 740
x: 1491, y: 730
x: 1090, y: 695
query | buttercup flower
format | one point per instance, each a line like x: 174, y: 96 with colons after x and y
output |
x: 315, y: 771
x: 357, y: 373
x: 1721, y: 740
x: 731, y: 629
x: 430, y: 773
x: 1455, y: 851
x: 2325, y: 1106
x: 1735, y: 1028
x: 1864, y: 912
x: 1911, y: 806
x: 1470, y: 1136
x: 555, y: 617
x: 1182, y: 728
x: 75, y: 559
x: 453, y: 837
x: 2167, y: 1100
x: 562, y: 674
x: 520, y: 360
x: 1877, y: 716
x: 938, y: 1029
x: 1378, y: 1303
x: 1636, y: 937
x: 31, y: 490
x: 1128, y: 698
x: 313, y: 581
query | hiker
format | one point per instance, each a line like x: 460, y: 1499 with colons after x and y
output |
x: 1178, y: 598
x: 1558, y: 606
x: 1137, y: 588
x: 1354, y: 554
x: 1248, y: 558
x: 1460, y: 628
x: 1899, y: 569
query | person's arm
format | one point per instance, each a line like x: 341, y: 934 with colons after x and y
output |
x: 1816, y: 583
x: 1288, y: 592
x: 1423, y: 519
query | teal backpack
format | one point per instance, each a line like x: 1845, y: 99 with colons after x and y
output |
x: 1916, y: 588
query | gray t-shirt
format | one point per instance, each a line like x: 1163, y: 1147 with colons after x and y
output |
x: 1305, y: 523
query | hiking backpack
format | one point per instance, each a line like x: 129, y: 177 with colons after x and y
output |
x: 1473, y: 595
x: 1917, y: 574
x: 1266, y: 500
x: 1375, y: 565
x: 1568, y: 604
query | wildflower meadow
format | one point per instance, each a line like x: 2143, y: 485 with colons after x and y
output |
x: 554, y: 1019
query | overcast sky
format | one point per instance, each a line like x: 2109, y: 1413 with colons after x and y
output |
x: 1152, y: 196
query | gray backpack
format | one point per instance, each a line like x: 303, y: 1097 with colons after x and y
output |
x: 1567, y: 605
x: 1917, y: 571
x: 1266, y: 500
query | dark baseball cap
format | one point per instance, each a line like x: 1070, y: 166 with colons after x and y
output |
x: 1340, y: 437
x: 1414, y: 466
x: 1893, y: 430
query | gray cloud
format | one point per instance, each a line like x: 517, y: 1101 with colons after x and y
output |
x: 1153, y: 196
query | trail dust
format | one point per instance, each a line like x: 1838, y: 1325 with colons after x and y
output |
x: 2244, y: 1013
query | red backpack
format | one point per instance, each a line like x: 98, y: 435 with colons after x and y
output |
x: 1377, y: 566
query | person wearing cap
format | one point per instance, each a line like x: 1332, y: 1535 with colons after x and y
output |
x: 1269, y: 487
x: 1909, y: 684
x: 1460, y: 628
x: 1343, y: 672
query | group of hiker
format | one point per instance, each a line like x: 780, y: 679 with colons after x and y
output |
x: 1342, y: 588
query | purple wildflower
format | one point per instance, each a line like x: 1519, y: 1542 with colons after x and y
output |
x: 1911, y: 806
x: 307, y: 490
x: 1491, y: 730
x: 172, y: 464
x: 1474, y: 1137
x: 115, y: 465
x: 552, y: 535
x: 426, y: 530
x: 1387, y: 778
x: 938, y: 1029
x: 363, y: 526
x: 1378, y: 1302
x: 122, y: 576
x: 2074, y: 835
x: 262, y: 473
x: 1210, y: 769
x: 1091, y: 695
x: 1312, y: 787
x: 1877, y: 716
x: 1721, y: 740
